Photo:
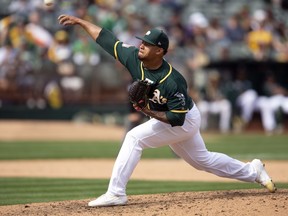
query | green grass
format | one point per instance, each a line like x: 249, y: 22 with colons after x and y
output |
x: 249, y: 146
x: 32, y: 190
x: 57, y: 149
x: 238, y: 146
x: 29, y: 190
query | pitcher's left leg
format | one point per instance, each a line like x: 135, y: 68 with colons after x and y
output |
x: 195, y: 153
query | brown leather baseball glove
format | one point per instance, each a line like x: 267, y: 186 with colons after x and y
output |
x: 138, y: 94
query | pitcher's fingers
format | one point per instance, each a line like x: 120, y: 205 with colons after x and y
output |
x: 62, y: 16
x: 63, y: 19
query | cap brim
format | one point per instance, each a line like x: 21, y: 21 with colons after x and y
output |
x: 146, y: 40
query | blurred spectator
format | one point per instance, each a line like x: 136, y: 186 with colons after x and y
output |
x: 215, y: 31
x: 213, y: 101
x: 8, y: 58
x: 244, y: 17
x: 196, y: 28
x: 53, y: 95
x: 49, y: 15
x: 243, y: 98
x: 260, y: 38
x: 36, y: 33
x: 84, y: 51
x: 280, y: 42
x: 128, y: 36
x: 61, y: 49
x: 284, y: 110
x: 270, y: 103
x: 4, y: 29
x: 234, y: 32
x: 72, y: 88
x: 196, y: 59
x: 16, y: 31
x: 23, y: 7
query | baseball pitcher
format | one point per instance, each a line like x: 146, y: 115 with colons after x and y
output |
x: 160, y: 92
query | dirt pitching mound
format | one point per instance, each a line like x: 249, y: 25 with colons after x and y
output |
x: 236, y: 202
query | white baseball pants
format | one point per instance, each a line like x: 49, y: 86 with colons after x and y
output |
x: 185, y: 141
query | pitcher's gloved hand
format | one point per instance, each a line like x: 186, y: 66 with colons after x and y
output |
x: 138, y: 94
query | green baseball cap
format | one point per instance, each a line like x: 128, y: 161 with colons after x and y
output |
x: 156, y: 37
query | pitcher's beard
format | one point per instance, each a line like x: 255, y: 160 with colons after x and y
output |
x: 140, y: 57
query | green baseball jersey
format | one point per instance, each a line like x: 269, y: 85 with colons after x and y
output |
x: 170, y: 88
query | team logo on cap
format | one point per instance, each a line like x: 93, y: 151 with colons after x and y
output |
x: 148, y: 33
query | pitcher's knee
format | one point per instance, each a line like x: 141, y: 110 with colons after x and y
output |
x: 132, y: 140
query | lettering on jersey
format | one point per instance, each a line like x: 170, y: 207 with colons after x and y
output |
x: 157, y: 98
x: 181, y: 98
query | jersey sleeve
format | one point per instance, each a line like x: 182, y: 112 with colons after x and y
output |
x: 120, y: 51
x: 175, y: 119
x: 179, y: 104
x: 177, y: 109
x: 179, y: 101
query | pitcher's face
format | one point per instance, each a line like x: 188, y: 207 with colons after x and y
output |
x: 147, y: 51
